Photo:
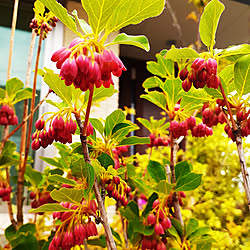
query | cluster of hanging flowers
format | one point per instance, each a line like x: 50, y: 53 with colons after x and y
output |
x: 86, y: 63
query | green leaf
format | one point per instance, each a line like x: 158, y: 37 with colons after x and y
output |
x: 7, y: 157
x: 99, y: 12
x: 100, y: 94
x: 59, y: 11
x: 204, y: 246
x: 121, y: 130
x: 58, y: 86
x: 164, y: 187
x: 172, y: 231
x: 132, y: 12
x: 52, y: 161
x: 192, y: 226
x: 152, y: 82
x: 67, y: 195
x: 174, y: 91
x: 25, y: 241
x: 209, y: 22
x: 177, y: 225
x: 143, y: 229
x: 112, y: 120
x: 97, y: 124
x: 82, y: 169
x: 233, y: 53
x: 10, y: 232
x: 149, y: 205
x: 242, y: 75
x: 117, y: 236
x: 181, y: 169
x: 33, y: 176
x: 199, y: 232
x: 85, y: 27
x: 59, y: 179
x: 131, y: 211
x: 188, y: 182
x: 101, y: 241
x: 106, y: 160
x: 181, y: 54
x: 50, y: 207
x: 28, y: 227
x: 23, y: 94
x: 134, y: 140
x: 13, y: 85
x: 39, y: 7
x: 2, y: 93
x: 138, y: 41
x: 194, y: 99
x: 156, y: 171
x: 156, y: 98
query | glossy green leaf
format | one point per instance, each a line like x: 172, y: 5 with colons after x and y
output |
x: 6, y: 158
x: 134, y: 140
x: 149, y: 205
x: 99, y: 12
x: 106, y: 160
x: 85, y: 27
x: 188, y: 182
x: 181, y: 169
x: 121, y: 130
x: 58, y: 86
x: 172, y: 231
x: 181, y: 54
x: 59, y: 179
x: 131, y: 211
x: 100, y: 94
x: 28, y: 227
x: 67, y: 195
x: 177, y: 225
x: 191, y: 227
x: 173, y: 89
x: 13, y: 85
x: 152, y: 82
x: 33, y: 176
x: 97, y: 124
x: 52, y: 161
x: 156, y: 171
x: 143, y: 229
x: 199, y: 232
x: 101, y: 241
x: 2, y: 93
x: 156, y: 98
x: 209, y: 22
x: 133, y: 12
x: 164, y: 187
x: 112, y: 120
x: 23, y: 94
x: 233, y: 53
x: 216, y: 93
x: 62, y: 14
x: 10, y: 232
x: 24, y: 241
x: 50, y: 207
x: 138, y: 41
x: 242, y: 75
x: 166, y: 64
x: 194, y: 99
x: 116, y: 235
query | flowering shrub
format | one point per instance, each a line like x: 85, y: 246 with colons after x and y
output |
x: 195, y: 98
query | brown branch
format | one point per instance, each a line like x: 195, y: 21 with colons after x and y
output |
x: 83, y: 128
x: 20, y: 181
x: 10, y: 210
x: 27, y: 117
x: 243, y: 166
x: 174, y: 148
x: 13, y: 28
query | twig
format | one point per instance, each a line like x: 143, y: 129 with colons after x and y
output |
x: 173, y: 148
x: 238, y: 141
x: 22, y: 169
x: 109, y: 237
x: 27, y: 117
x: 175, y: 22
x: 13, y: 28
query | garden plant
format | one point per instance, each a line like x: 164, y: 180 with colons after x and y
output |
x: 197, y: 92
